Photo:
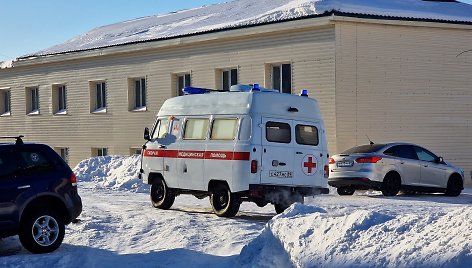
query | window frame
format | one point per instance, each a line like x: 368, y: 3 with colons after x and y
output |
x: 140, y: 100
x: 100, y: 95
x: 281, y: 123
x: 281, y: 84
x: 187, y: 82
x: 232, y: 73
x: 186, y: 125
x: 235, y: 132
x: 32, y: 100
x: 304, y: 125
x: 6, y: 102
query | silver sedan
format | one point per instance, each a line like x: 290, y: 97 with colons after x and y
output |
x: 391, y: 168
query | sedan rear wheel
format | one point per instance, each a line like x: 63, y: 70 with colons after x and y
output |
x: 391, y: 185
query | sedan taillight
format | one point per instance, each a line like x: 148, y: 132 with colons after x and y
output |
x: 369, y: 159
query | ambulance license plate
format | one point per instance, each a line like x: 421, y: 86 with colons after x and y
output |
x: 280, y: 174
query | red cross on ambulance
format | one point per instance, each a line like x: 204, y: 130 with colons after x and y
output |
x: 309, y: 165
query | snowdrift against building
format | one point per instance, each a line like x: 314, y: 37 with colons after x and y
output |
x: 241, y: 13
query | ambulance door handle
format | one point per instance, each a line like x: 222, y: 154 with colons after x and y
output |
x: 162, y: 146
x: 299, y: 153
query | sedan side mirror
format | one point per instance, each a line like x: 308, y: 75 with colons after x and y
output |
x: 146, y: 134
x: 440, y: 160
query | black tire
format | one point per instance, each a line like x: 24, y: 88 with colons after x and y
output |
x: 223, y: 202
x: 391, y: 184
x: 345, y: 191
x: 42, y: 231
x: 454, y: 186
x: 161, y: 196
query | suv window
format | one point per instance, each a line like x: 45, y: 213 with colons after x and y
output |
x: 402, y: 151
x: 34, y: 160
x: 8, y: 164
x: 425, y: 155
x: 278, y: 132
x: 306, y: 135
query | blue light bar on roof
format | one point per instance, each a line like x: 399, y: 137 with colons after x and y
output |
x: 304, y: 93
x: 195, y: 90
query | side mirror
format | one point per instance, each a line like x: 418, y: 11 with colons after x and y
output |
x: 146, y: 134
x: 439, y: 160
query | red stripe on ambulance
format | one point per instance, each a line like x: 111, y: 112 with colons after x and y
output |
x: 214, y: 155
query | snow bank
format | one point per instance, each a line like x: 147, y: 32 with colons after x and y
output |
x: 307, y: 236
x: 250, y: 12
x: 114, y: 172
x: 6, y: 64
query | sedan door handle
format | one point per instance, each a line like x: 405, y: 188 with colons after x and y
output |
x: 299, y: 153
x: 24, y: 187
x: 402, y: 162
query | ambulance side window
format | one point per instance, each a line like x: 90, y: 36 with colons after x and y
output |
x: 278, y: 132
x: 224, y: 129
x: 161, y: 129
x: 306, y: 135
x: 196, y: 129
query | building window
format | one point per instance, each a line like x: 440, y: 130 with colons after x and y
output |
x: 98, y: 97
x: 99, y: 151
x: 64, y: 153
x: 32, y: 100
x: 183, y: 81
x: 137, y: 94
x: 228, y: 78
x: 282, y: 77
x: 5, y: 102
x: 59, y: 99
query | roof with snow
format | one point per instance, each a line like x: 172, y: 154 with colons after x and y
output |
x: 246, y: 13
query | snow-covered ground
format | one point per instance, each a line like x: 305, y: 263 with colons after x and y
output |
x: 120, y: 228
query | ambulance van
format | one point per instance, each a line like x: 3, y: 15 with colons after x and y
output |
x: 248, y: 144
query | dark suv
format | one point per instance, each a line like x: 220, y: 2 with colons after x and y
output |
x: 38, y: 195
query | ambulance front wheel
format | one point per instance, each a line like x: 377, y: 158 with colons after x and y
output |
x: 161, y: 196
x: 224, y: 203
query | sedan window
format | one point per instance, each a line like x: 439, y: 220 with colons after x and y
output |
x: 402, y: 151
x: 425, y: 155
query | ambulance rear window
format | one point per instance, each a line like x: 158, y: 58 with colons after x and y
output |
x: 196, y: 129
x: 224, y: 129
x: 306, y: 135
x: 278, y: 132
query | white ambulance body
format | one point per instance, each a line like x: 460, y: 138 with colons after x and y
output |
x: 260, y: 146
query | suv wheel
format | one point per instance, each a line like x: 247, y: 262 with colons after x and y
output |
x: 345, y: 191
x: 42, y: 231
x: 391, y: 185
x: 161, y: 196
x: 224, y: 203
x: 454, y: 186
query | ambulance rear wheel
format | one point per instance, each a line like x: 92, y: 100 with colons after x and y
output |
x: 161, y: 196
x: 224, y: 203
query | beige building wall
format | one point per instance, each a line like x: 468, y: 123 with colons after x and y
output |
x: 405, y: 83
x: 310, y: 50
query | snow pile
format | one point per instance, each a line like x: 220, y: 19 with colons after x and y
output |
x: 240, y: 13
x: 114, y: 172
x: 307, y: 236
